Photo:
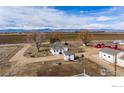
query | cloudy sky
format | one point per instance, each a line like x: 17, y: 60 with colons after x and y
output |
x: 62, y: 17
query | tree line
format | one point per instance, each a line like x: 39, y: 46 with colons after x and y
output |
x: 39, y: 37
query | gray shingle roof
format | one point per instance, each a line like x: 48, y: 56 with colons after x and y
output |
x: 110, y: 51
x: 57, y: 46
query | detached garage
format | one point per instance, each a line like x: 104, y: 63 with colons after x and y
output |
x: 68, y: 56
x: 109, y: 54
x: 112, y: 56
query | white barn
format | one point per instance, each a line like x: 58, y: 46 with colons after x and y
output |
x: 58, y: 48
x: 68, y: 56
x: 112, y: 56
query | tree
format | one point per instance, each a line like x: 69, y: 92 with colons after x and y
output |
x: 86, y: 36
x: 56, y: 36
x: 38, y: 38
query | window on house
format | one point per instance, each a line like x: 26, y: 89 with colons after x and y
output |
x: 108, y: 56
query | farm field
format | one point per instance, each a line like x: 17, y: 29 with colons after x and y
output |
x: 12, y: 39
x: 6, y: 52
x: 16, y: 38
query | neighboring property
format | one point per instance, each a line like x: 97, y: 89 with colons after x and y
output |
x: 58, y: 48
x: 112, y: 55
x: 121, y: 42
x: 68, y: 56
x: 106, y: 45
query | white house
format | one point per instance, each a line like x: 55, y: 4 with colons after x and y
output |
x: 58, y: 48
x: 68, y: 56
x: 112, y: 56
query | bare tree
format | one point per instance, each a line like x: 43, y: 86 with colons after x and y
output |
x: 86, y: 36
x: 38, y: 38
x: 56, y: 36
x: 29, y: 38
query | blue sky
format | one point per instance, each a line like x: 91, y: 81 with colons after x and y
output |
x: 71, y: 17
x: 75, y: 9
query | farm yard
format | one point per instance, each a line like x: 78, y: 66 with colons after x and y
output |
x: 44, y: 68
x: 59, y: 68
x: 45, y: 49
x: 52, y: 68
x: 28, y: 61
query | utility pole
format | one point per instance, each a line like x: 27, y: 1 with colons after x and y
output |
x: 84, y: 65
x: 115, y: 68
x: 84, y: 68
x: 115, y: 65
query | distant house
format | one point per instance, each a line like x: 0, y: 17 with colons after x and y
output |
x: 58, y: 48
x: 121, y: 42
x: 112, y: 56
x: 68, y: 56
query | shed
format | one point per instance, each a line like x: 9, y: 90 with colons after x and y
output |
x: 68, y: 56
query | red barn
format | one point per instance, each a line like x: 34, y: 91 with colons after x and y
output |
x: 107, y: 45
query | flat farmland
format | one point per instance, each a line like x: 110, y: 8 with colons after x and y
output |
x: 16, y: 38
x: 96, y: 36
x: 12, y: 39
x: 109, y: 36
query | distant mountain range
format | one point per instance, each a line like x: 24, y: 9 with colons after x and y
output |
x: 62, y: 30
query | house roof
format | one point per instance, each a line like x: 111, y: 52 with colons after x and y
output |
x: 68, y: 53
x: 110, y: 51
x: 57, y: 46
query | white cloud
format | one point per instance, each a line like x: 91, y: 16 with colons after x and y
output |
x: 38, y: 17
x: 45, y: 17
x: 104, y: 18
x: 96, y: 26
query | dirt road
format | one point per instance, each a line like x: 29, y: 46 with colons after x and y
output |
x: 21, y: 59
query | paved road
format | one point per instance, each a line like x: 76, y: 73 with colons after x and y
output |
x: 21, y: 59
